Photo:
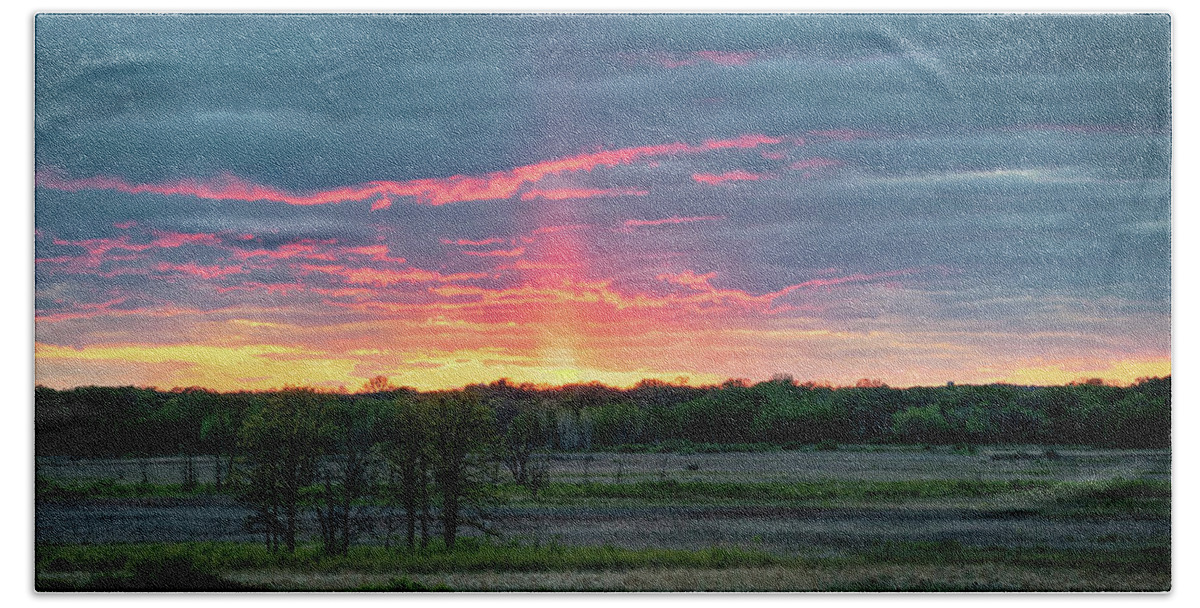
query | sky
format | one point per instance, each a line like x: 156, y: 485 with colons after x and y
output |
x: 246, y: 202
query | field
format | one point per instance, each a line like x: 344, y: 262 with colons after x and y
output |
x: 855, y: 518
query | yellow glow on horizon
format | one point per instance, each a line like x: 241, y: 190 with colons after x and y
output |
x: 217, y: 367
x: 1121, y: 372
x: 265, y: 366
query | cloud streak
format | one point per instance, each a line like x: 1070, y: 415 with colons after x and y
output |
x: 672, y: 220
x: 737, y: 175
x: 433, y: 191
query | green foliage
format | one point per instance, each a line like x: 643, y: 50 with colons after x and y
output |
x: 284, y: 437
x: 724, y: 415
x: 106, y: 422
x: 921, y: 425
x: 618, y: 423
x: 462, y: 432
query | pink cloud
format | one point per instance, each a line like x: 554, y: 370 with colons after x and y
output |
x: 559, y: 194
x: 554, y: 229
x: 816, y: 163
x: 842, y: 134
x: 470, y: 243
x: 689, y: 279
x: 741, y: 141
x: 385, y: 277
x: 270, y: 288
x: 170, y: 240
x: 854, y: 278
x: 673, y: 220
x: 502, y: 253
x: 84, y: 311
x: 725, y: 58
x: 307, y: 249
x: 736, y: 175
x: 206, y: 272
x: 105, y: 309
x: 433, y: 191
x: 537, y: 265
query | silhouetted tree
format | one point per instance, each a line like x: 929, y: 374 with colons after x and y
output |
x: 283, y: 440
x: 462, y: 433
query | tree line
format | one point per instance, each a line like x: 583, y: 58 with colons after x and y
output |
x: 399, y: 464
x: 426, y: 459
x: 128, y: 421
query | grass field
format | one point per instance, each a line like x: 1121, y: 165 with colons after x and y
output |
x: 858, y: 519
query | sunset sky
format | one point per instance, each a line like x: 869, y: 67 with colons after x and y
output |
x: 246, y: 202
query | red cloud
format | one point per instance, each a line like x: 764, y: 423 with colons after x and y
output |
x: 435, y: 191
x: 737, y: 175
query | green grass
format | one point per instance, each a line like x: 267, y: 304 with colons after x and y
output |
x: 110, y: 488
x: 686, y: 447
x: 1110, y: 498
x: 1144, y: 559
x: 1119, y: 498
x: 205, y: 566
x: 208, y: 566
x: 700, y: 491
